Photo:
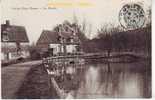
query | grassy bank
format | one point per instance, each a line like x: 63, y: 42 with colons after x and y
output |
x: 36, y: 85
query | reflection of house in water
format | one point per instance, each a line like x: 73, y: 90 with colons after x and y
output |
x: 14, y: 42
x: 59, y: 41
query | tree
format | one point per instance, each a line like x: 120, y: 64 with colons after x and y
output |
x: 107, y: 41
x: 34, y: 52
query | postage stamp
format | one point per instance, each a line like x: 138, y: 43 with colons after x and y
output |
x: 132, y: 16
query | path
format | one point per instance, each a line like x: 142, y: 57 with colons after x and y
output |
x: 13, y: 76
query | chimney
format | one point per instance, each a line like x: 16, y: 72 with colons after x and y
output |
x: 7, y: 22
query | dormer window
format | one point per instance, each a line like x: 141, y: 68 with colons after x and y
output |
x: 5, y: 36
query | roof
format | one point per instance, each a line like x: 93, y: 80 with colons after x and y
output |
x: 49, y: 37
x: 14, y: 33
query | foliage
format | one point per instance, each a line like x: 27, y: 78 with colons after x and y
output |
x: 114, y: 40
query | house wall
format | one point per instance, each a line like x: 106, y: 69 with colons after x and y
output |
x: 57, y: 48
x: 12, y: 45
x: 14, y: 55
x: 9, y: 52
x: 3, y: 56
x: 8, y: 45
x: 71, y: 48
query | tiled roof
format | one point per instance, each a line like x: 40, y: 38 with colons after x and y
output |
x: 48, y: 37
x: 15, y: 33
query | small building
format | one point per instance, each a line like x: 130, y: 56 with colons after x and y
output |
x: 14, y: 42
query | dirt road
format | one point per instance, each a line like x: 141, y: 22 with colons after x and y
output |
x: 13, y: 76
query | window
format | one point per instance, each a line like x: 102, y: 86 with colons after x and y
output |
x: 5, y: 36
x: 70, y: 40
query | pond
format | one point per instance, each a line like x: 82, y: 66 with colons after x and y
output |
x: 130, y: 80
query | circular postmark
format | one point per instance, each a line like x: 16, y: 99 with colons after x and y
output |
x: 132, y: 16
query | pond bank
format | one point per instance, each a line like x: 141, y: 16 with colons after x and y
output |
x: 37, y: 85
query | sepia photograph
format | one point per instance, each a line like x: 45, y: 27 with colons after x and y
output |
x: 76, y: 49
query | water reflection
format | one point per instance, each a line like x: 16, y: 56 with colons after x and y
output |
x: 115, y: 80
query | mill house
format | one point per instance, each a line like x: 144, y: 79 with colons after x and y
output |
x: 59, y: 41
x: 14, y: 42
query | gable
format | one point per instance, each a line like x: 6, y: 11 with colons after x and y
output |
x: 48, y: 37
x: 13, y: 33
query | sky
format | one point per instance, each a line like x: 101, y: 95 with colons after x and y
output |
x: 96, y: 14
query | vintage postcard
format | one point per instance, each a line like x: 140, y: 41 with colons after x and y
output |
x: 76, y: 49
